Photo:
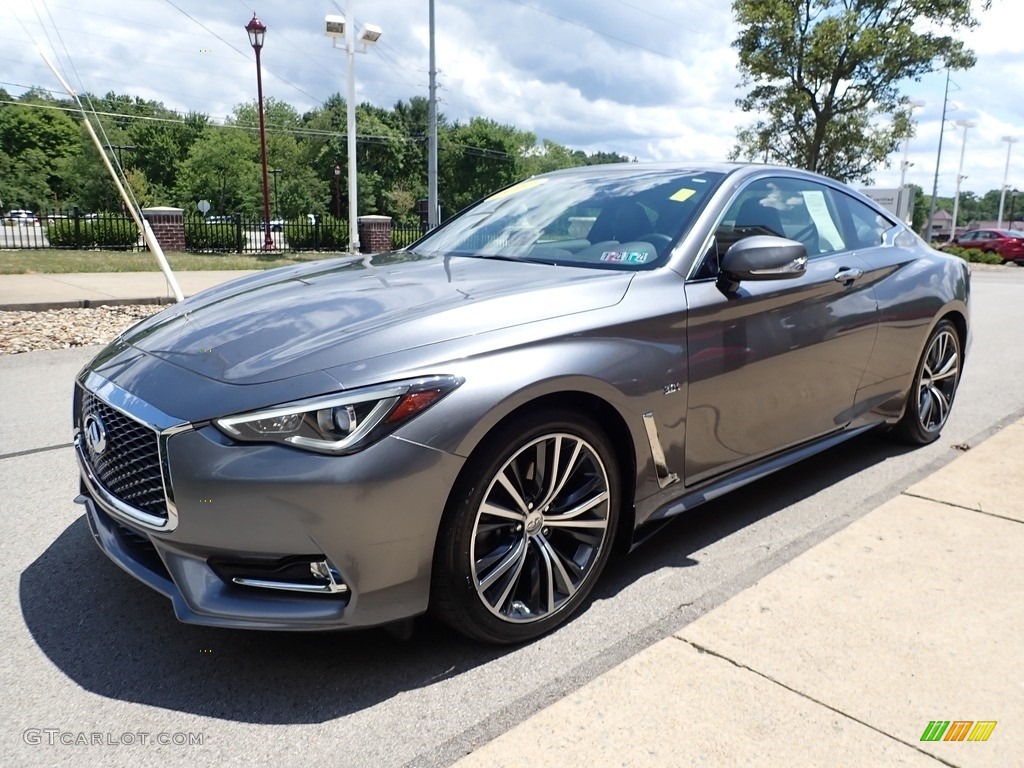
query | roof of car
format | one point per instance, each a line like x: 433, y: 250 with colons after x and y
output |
x: 726, y: 168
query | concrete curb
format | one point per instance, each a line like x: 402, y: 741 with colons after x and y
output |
x: 42, y: 306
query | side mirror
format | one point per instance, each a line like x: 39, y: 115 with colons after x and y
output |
x: 763, y: 257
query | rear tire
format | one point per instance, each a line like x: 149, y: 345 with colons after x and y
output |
x: 528, y: 528
x: 935, y: 383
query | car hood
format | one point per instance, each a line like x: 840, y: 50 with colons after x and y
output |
x: 294, y: 320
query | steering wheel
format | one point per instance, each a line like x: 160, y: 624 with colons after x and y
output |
x: 656, y: 239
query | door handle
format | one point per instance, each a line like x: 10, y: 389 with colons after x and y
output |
x: 848, y: 274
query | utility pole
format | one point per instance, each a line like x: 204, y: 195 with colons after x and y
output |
x: 432, y: 133
x: 938, y: 160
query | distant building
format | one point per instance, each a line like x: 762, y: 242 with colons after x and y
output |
x: 942, y: 227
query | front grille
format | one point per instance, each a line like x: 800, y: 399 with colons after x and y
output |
x: 129, y: 464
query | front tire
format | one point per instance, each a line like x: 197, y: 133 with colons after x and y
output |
x: 935, y: 384
x: 528, y: 528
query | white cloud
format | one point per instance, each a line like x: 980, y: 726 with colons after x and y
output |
x: 655, y: 80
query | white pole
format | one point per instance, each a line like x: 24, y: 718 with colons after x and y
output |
x: 1010, y: 141
x: 432, y: 215
x: 965, y: 124
x: 350, y: 56
x: 147, y: 231
x: 909, y: 215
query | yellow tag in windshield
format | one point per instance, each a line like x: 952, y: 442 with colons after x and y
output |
x: 522, y: 185
x: 683, y: 194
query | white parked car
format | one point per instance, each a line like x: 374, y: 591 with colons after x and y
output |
x: 22, y: 216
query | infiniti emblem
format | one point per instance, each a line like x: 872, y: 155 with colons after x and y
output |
x: 95, y: 434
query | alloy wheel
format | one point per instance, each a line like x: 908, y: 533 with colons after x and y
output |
x: 940, y: 372
x: 541, y: 528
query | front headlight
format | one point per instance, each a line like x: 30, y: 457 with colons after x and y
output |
x: 343, y: 423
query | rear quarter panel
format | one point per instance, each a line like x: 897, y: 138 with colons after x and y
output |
x: 916, y: 287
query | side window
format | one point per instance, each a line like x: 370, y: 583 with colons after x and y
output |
x: 865, y: 226
x: 798, y: 209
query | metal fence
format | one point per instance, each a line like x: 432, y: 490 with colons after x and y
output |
x: 233, y: 233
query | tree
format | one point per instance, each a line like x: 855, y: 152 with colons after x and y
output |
x: 826, y: 76
x: 34, y: 141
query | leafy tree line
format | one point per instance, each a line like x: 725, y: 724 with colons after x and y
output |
x: 47, y: 161
x: 973, y: 207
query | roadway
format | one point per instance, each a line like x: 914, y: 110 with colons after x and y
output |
x: 87, y: 649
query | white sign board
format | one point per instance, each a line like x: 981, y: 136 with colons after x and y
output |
x: 892, y: 201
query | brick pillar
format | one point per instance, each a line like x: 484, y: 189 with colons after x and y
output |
x: 374, y: 234
x: 168, y: 225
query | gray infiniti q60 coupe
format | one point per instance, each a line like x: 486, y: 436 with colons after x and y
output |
x: 469, y: 426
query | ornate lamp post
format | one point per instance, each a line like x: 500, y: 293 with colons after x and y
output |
x: 257, y: 29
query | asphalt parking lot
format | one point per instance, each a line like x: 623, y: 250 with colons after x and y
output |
x: 87, y: 650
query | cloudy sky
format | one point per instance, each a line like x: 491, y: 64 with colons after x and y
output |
x: 653, y: 79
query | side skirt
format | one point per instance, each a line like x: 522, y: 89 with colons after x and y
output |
x: 723, y: 485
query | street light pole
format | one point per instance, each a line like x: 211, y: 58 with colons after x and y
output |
x: 338, y: 27
x: 257, y: 29
x: 1010, y: 141
x: 350, y: 99
x: 913, y: 104
x: 432, y: 208
x: 965, y: 124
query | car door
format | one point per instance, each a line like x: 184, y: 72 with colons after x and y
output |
x: 775, y: 363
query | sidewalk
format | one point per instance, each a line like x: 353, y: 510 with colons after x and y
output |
x: 841, y: 657
x: 57, y: 291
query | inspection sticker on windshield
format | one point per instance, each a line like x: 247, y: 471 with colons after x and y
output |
x: 625, y: 257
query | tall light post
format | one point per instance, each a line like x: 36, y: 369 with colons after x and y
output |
x: 965, y: 124
x: 257, y: 29
x: 1010, y: 141
x: 344, y: 28
x: 905, y: 164
x: 432, y: 212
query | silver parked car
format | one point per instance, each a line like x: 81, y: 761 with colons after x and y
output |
x: 470, y: 425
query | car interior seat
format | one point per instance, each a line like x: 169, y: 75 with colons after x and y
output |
x: 624, y: 221
x: 753, y: 215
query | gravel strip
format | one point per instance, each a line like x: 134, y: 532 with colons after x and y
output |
x: 64, y: 328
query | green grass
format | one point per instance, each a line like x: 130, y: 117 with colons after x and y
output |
x: 13, y: 262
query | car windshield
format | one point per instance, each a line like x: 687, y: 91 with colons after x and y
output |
x: 612, y: 219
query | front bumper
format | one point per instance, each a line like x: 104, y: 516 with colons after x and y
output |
x: 373, y: 516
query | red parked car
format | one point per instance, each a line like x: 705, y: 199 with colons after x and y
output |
x: 1007, y: 243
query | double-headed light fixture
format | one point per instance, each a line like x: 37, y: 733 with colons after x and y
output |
x: 337, y: 28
